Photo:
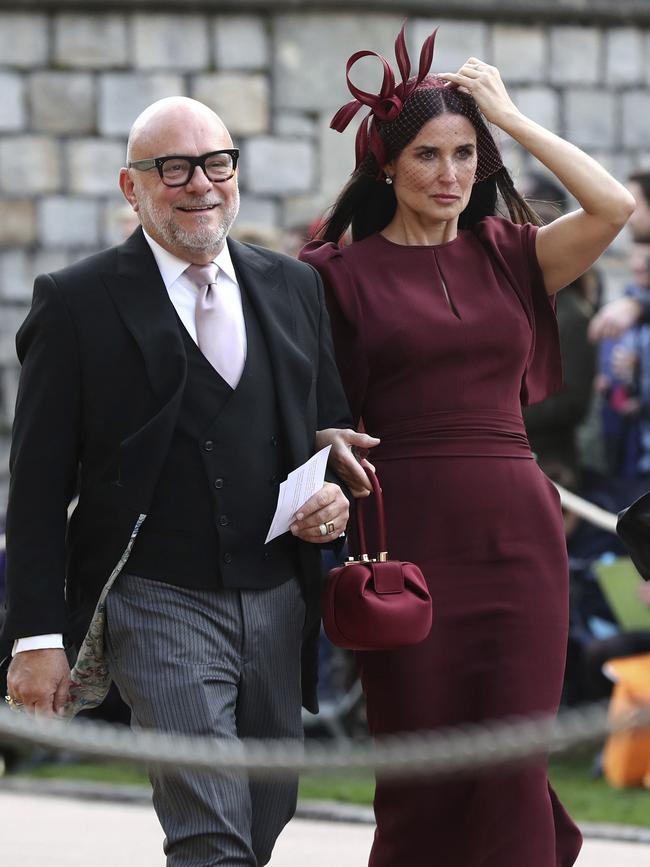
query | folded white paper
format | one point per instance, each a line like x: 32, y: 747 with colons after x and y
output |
x: 301, y: 484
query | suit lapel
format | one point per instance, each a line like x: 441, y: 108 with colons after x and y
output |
x: 144, y: 306
x: 264, y: 280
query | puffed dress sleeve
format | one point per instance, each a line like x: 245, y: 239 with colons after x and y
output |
x: 346, y: 317
x: 512, y: 249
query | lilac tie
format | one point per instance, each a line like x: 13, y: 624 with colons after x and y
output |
x: 217, y: 334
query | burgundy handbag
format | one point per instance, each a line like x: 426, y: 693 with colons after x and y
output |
x: 375, y: 603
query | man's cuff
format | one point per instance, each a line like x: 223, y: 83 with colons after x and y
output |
x: 53, y: 640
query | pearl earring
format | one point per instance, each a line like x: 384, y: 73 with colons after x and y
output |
x: 389, y: 180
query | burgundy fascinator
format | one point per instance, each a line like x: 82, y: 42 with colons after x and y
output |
x: 398, y: 110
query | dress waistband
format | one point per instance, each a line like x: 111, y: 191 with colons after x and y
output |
x: 460, y: 433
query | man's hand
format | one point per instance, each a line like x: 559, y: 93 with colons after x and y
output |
x: 40, y: 680
x: 323, y: 517
x: 614, y: 318
x: 349, y: 450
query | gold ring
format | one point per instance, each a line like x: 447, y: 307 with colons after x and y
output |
x: 330, y: 527
x: 322, y: 528
x: 13, y: 703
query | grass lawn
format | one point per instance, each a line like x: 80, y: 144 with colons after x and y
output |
x: 587, y: 799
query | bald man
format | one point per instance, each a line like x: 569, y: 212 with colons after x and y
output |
x: 173, y: 382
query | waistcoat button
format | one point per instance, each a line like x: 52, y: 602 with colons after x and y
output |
x: 218, y: 483
x: 227, y: 558
x: 224, y: 520
x: 208, y: 445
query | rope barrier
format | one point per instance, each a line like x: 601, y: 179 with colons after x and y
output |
x: 443, y: 752
x: 589, y: 511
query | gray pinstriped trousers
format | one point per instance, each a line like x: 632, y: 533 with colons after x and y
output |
x: 223, y: 663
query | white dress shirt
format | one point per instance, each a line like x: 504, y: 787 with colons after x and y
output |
x: 182, y: 293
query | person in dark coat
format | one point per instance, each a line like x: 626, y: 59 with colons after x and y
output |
x: 179, y: 376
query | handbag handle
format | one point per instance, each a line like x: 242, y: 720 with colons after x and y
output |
x: 381, y: 519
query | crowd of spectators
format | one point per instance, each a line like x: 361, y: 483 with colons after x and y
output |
x: 593, y: 436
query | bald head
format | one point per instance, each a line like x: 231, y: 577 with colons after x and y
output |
x: 192, y: 219
x: 161, y: 120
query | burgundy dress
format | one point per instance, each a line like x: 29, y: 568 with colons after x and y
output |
x: 438, y: 347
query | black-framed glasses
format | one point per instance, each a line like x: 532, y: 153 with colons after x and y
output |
x: 176, y: 171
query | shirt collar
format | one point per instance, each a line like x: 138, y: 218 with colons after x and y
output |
x: 171, y: 267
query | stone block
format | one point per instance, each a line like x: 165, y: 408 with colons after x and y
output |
x: 541, y: 104
x: 170, y: 41
x: 302, y: 211
x: 9, y: 375
x: 520, y: 52
x: 289, y: 123
x: 256, y: 211
x: 12, y: 105
x: 12, y: 318
x: 336, y: 156
x: 242, y: 101
x: 91, y: 41
x: 18, y: 223
x: 575, y: 55
x: 625, y: 56
x: 590, y: 118
x: 94, y: 165
x: 122, y: 96
x: 23, y: 39
x: 29, y: 164
x: 68, y: 222
x: 241, y: 42
x: 18, y: 268
x: 118, y: 221
x: 46, y: 261
x: 617, y: 162
x: 455, y: 42
x: 636, y: 119
x: 310, y: 52
x: 14, y: 280
x: 515, y: 158
x: 62, y: 102
x: 8, y: 393
x: 277, y: 166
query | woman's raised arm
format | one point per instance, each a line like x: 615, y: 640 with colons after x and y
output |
x: 571, y: 243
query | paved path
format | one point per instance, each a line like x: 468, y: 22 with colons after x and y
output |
x: 47, y: 831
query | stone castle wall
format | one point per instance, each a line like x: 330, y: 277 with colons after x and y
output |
x: 72, y: 80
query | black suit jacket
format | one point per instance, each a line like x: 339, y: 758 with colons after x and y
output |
x: 103, y: 373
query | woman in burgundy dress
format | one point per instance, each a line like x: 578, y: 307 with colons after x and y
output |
x: 443, y: 324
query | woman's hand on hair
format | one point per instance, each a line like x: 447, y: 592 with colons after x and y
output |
x: 348, y: 456
x: 483, y: 82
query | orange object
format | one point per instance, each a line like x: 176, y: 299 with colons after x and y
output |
x: 626, y: 758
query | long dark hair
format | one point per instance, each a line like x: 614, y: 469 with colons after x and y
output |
x: 367, y: 204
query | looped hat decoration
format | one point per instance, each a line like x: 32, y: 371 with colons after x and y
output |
x: 399, y: 110
x: 389, y: 102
